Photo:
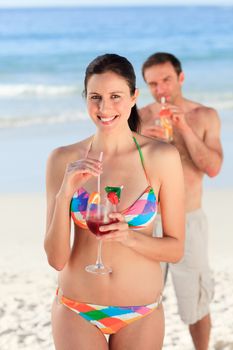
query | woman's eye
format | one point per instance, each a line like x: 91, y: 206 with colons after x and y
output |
x: 114, y: 97
x: 95, y: 97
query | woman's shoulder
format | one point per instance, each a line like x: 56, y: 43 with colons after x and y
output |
x: 70, y: 153
x: 155, y: 147
x: 160, y: 157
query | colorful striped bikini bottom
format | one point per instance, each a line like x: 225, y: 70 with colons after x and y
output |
x: 109, y: 319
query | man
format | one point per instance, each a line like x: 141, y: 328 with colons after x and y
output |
x: 196, y: 134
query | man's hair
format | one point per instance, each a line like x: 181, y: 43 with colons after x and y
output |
x: 160, y: 58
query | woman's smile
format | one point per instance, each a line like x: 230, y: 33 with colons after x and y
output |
x: 107, y: 120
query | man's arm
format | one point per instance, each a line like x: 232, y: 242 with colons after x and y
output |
x: 206, y: 153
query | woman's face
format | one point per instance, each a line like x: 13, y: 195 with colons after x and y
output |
x: 109, y: 101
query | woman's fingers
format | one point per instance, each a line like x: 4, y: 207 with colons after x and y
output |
x: 117, y: 216
x: 115, y: 226
x: 90, y: 161
x: 85, y: 166
x: 118, y: 230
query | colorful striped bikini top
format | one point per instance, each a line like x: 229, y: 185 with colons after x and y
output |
x: 138, y: 215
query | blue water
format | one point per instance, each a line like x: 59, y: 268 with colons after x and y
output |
x: 44, y: 53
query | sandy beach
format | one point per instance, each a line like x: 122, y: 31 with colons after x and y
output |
x: 28, y: 283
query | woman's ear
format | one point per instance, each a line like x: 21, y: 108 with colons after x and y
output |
x: 135, y: 96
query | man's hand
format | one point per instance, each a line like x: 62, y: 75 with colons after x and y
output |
x: 155, y: 131
x: 177, y: 117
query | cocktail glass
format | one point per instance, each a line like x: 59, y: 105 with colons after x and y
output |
x: 98, y: 215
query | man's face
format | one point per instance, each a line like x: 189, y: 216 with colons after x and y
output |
x: 163, y: 81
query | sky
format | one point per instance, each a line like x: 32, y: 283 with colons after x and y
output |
x: 35, y: 3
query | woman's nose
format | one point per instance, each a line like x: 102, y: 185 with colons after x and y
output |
x: 104, y: 106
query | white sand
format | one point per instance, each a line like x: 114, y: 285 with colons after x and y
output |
x: 27, y: 283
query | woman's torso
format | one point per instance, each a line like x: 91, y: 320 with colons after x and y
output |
x: 135, y: 279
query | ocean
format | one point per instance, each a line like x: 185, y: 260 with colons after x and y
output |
x: 43, y: 56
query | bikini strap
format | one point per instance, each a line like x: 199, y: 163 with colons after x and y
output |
x: 142, y: 159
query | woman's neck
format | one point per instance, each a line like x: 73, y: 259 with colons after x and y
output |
x: 112, y: 144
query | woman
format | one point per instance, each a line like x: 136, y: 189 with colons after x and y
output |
x: 149, y: 170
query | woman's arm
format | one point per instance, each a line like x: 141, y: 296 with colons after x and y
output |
x: 57, y: 237
x: 170, y: 247
x: 171, y: 194
x: 62, y: 179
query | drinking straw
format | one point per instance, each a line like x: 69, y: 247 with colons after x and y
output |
x: 98, y: 179
x: 98, y: 185
x: 163, y: 101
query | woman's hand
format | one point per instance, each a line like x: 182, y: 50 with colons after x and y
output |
x: 120, y: 231
x: 79, y: 172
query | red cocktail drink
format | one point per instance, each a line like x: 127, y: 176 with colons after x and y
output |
x: 95, y: 223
